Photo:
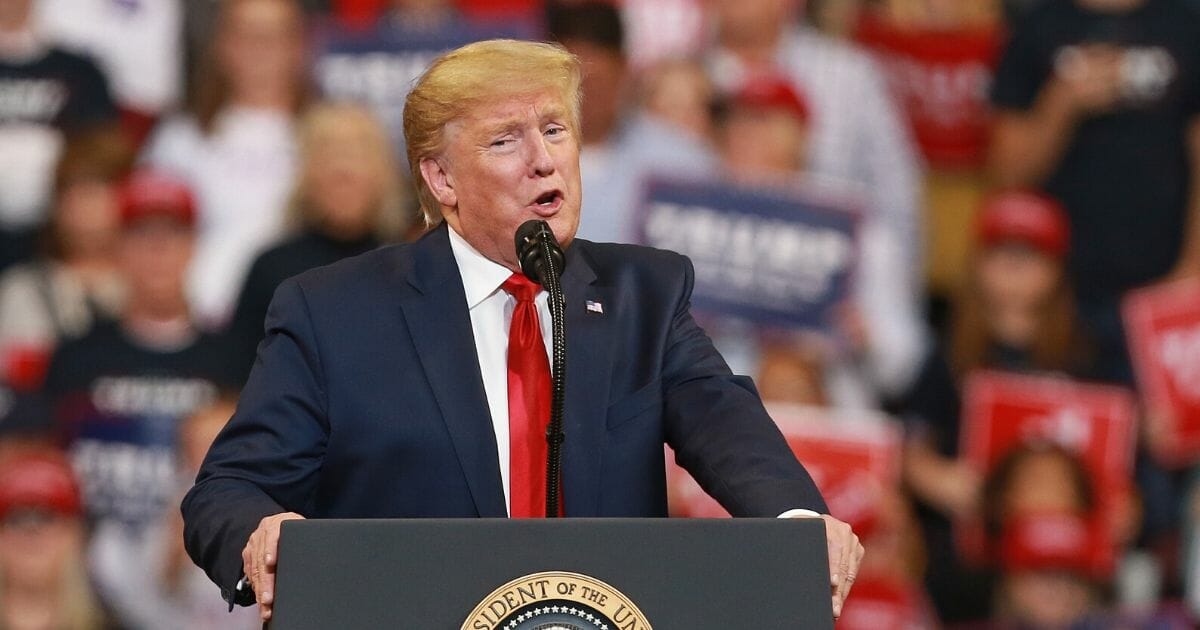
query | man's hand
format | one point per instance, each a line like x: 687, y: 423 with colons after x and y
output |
x: 845, y: 554
x: 1091, y: 77
x: 259, y: 557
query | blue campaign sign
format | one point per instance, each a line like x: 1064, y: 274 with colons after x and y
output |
x: 782, y: 257
x: 378, y: 66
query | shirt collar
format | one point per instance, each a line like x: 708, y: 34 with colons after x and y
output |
x: 481, y: 276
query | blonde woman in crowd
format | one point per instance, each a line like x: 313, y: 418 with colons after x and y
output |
x: 348, y: 201
x: 235, y: 144
x: 43, y: 585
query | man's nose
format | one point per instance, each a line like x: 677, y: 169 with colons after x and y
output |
x: 541, y: 163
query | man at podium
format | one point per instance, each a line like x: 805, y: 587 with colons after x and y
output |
x: 414, y: 381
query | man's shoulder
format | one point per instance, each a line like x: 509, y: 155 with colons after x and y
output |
x: 384, y: 269
x: 614, y: 260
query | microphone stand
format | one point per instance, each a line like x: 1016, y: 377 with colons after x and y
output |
x: 542, y: 260
x: 554, y: 431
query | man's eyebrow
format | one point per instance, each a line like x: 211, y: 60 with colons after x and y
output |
x: 501, y: 127
x: 554, y: 112
x: 505, y: 125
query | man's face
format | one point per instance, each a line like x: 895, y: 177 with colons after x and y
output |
x: 603, y: 86
x: 748, y: 20
x: 506, y: 162
x: 14, y: 13
x: 763, y: 143
x: 262, y: 44
x: 154, y: 257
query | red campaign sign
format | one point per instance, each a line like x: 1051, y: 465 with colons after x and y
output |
x: 941, y: 78
x: 24, y: 367
x: 852, y: 456
x: 1163, y: 324
x: 1096, y: 422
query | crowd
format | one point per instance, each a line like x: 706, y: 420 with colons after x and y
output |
x: 1020, y: 167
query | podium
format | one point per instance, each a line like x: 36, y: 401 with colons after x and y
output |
x: 559, y: 574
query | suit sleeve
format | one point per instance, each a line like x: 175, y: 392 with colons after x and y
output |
x: 721, y: 434
x: 266, y: 460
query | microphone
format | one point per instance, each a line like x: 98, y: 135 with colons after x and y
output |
x: 538, y: 251
x: 542, y: 260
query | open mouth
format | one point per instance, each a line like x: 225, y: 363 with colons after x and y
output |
x: 548, y: 202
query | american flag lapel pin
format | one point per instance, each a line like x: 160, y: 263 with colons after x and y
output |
x: 595, y: 307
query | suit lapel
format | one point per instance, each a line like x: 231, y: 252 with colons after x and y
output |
x: 436, y: 312
x: 589, y: 360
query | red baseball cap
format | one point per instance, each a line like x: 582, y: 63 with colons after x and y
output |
x: 39, y: 480
x: 770, y: 91
x: 1049, y: 541
x: 147, y: 194
x: 1027, y: 217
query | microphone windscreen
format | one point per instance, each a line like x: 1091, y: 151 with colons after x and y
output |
x: 530, y: 238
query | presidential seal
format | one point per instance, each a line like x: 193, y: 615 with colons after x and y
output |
x: 556, y: 600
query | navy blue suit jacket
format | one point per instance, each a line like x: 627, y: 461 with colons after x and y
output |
x: 366, y: 401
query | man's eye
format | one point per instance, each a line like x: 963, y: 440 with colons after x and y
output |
x: 555, y: 131
x: 502, y: 142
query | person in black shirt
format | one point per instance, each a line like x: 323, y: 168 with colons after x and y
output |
x: 347, y: 202
x: 119, y: 392
x: 1099, y: 105
x: 1014, y: 313
x: 45, y: 94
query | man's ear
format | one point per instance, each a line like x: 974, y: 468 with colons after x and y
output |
x: 439, y: 182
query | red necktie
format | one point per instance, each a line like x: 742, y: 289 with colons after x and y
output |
x: 528, y: 402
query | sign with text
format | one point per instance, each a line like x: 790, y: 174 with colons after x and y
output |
x: 854, y: 457
x: 940, y: 77
x: 377, y: 66
x: 1096, y: 423
x: 782, y: 257
x: 1163, y: 324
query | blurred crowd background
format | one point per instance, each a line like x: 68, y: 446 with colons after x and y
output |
x: 1023, y: 165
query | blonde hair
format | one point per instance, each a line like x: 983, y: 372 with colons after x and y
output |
x: 78, y: 606
x: 324, y: 122
x: 479, y: 73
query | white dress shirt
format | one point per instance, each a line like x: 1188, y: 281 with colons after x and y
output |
x: 491, y: 309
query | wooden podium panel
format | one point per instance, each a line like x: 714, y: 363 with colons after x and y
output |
x: 569, y: 574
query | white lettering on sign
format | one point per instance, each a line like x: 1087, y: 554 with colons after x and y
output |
x: 1179, y: 349
x: 31, y: 100
x: 940, y: 92
x: 1068, y: 427
x: 772, y: 262
x: 377, y: 77
x: 151, y: 396
x: 128, y: 482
